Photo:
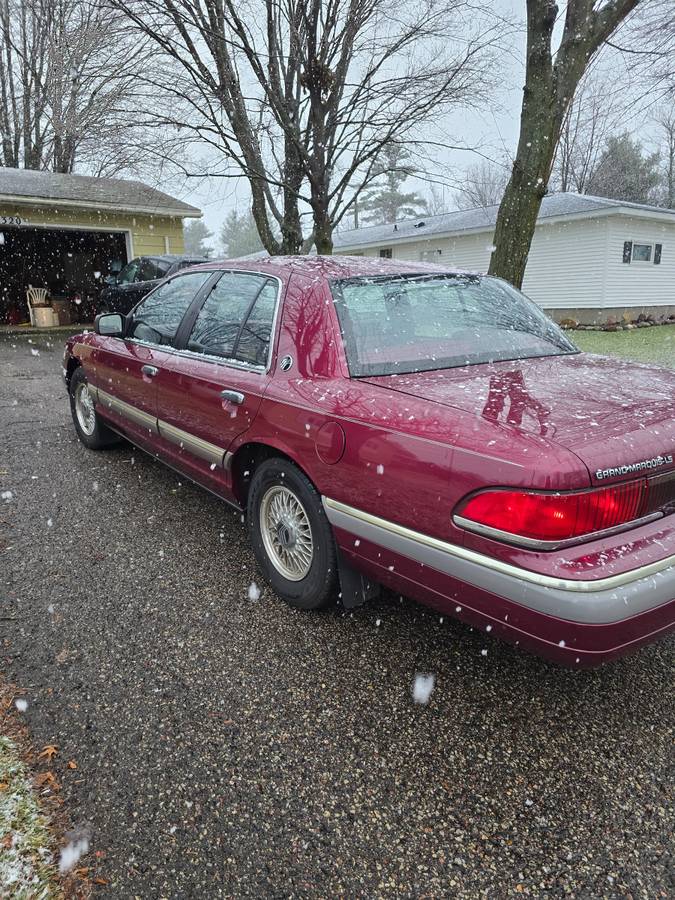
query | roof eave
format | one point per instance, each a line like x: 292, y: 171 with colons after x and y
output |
x: 189, y: 212
x: 598, y: 212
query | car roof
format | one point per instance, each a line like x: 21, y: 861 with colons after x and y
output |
x: 173, y: 257
x: 332, y: 267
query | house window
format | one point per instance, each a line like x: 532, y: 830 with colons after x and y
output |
x: 642, y: 253
x: 385, y: 253
x: 430, y: 255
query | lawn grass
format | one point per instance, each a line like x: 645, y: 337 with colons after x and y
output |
x: 26, y: 865
x: 647, y: 345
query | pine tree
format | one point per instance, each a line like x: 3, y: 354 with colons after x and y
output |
x: 386, y: 202
x: 624, y: 173
x: 196, y: 236
x: 239, y: 235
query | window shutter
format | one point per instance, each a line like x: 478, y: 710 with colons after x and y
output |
x: 627, y: 251
x: 657, y: 254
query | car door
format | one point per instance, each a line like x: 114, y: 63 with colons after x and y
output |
x: 125, y: 368
x: 210, y: 390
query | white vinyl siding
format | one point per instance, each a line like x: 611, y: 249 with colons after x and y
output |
x: 640, y: 283
x: 572, y: 265
x: 566, y: 265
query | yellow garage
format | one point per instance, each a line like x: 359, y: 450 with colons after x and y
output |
x: 62, y: 235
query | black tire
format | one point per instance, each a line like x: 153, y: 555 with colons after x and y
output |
x: 317, y: 588
x: 100, y: 436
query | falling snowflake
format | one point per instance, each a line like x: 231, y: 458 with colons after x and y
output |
x: 7, y: 496
x: 21, y: 705
x: 483, y: 652
x: 422, y: 687
x: 253, y: 591
x: 380, y: 469
x: 34, y: 352
x: 72, y: 852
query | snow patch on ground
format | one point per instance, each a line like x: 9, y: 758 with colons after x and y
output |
x: 26, y: 868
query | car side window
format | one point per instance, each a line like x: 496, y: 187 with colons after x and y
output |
x: 152, y: 269
x: 129, y: 272
x: 235, y: 321
x: 156, y: 319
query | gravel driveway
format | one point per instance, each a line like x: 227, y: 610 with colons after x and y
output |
x: 235, y: 747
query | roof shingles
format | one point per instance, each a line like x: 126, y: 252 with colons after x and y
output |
x: 553, y: 205
x: 52, y: 188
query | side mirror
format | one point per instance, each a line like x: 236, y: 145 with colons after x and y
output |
x: 110, y: 280
x: 109, y: 324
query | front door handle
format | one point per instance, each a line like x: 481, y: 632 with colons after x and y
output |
x: 233, y: 397
x: 149, y: 370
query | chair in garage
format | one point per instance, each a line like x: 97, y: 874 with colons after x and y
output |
x: 37, y: 297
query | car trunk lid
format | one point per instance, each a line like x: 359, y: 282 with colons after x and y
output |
x: 618, y: 417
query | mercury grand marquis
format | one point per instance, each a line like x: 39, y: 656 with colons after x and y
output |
x: 406, y: 425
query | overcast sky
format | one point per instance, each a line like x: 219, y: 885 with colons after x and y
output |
x: 489, y: 131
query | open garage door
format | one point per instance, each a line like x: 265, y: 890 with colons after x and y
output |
x: 70, y: 263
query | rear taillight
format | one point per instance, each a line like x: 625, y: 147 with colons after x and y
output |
x: 533, y: 518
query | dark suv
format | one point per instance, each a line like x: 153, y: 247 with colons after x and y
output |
x: 123, y: 291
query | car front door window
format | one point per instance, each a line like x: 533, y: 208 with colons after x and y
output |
x: 156, y: 319
x: 235, y: 321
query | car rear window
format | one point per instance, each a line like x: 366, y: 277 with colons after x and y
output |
x: 400, y: 324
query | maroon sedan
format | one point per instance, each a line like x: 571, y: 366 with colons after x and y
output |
x: 406, y: 425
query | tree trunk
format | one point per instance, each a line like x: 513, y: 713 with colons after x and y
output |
x: 539, y: 132
x: 549, y: 90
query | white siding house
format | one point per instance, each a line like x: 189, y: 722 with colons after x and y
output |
x: 591, y: 258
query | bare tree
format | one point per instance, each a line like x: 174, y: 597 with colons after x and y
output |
x: 666, y: 122
x: 436, y: 201
x: 592, y: 116
x: 69, y: 89
x: 300, y: 96
x: 24, y: 40
x: 551, y: 80
x: 483, y: 185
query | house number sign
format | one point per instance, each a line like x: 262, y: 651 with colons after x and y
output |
x: 12, y: 220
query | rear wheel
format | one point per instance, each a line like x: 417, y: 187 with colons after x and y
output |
x: 93, y: 433
x: 291, y: 536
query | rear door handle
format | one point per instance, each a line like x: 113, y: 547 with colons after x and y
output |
x: 149, y: 370
x: 233, y: 397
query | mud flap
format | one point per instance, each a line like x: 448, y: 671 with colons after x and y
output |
x: 355, y: 588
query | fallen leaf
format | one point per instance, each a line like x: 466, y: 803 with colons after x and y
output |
x: 100, y: 880
x: 82, y: 872
x: 72, y: 764
x: 47, y: 778
x: 3, y: 785
x: 48, y: 752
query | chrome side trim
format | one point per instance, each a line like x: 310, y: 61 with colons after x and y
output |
x: 145, y: 420
x: 201, y: 448
x: 374, y: 528
x: 533, y: 544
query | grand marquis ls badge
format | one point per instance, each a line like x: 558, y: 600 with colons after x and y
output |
x: 654, y: 463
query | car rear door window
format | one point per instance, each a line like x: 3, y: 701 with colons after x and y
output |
x: 152, y: 269
x: 156, y: 319
x: 236, y: 319
x: 129, y: 272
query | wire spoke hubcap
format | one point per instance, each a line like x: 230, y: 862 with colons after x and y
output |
x: 286, y: 533
x: 84, y: 409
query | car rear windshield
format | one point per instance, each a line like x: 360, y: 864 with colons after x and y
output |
x: 402, y: 323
